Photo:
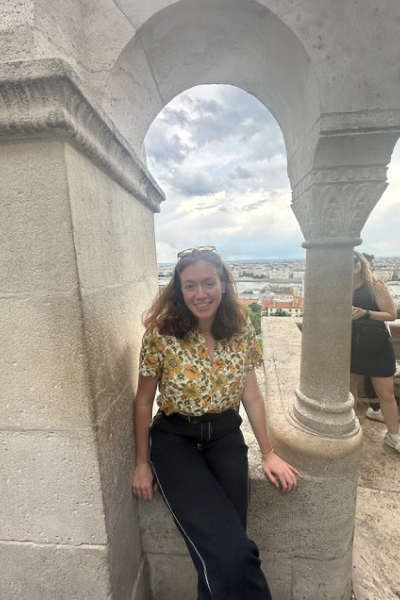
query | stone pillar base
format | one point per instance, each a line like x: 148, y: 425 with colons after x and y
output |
x: 325, y: 416
x: 305, y: 537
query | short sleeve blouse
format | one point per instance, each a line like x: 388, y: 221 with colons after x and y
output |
x: 189, y: 383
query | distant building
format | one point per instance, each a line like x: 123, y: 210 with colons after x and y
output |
x: 273, y: 306
x: 282, y: 274
x: 297, y: 292
x: 298, y: 275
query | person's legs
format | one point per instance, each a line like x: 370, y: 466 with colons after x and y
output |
x: 227, y: 561
x: 374, y: 408
x: 370, y: 393
x: 226, y: 458
x: 384, y: 387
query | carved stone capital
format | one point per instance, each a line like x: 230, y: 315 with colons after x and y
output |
x: 332, y: 205
x: 46, y: 98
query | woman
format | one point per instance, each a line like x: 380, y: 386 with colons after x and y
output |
x: 372, y: 352
x: 201, y: 350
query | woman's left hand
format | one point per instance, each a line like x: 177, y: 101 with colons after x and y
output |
x: 280, y: 473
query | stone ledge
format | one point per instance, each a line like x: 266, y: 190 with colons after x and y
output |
x: 45, y: 98
x: 368, y: 120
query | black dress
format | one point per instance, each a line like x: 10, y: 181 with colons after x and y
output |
x: 364, y: 360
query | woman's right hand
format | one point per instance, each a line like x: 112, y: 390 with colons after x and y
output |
x: 143, y: 485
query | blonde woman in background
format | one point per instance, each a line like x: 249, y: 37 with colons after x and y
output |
x: 372, y: 351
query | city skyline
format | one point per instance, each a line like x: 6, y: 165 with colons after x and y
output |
x: 219, y: 156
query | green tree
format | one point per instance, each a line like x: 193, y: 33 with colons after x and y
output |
x: 398, y: 312
x: 253, y: 275
x: 280, y: 313
x: 254, y: 311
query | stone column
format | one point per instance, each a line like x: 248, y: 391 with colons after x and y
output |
x: 78, y: 268
x: 331, y: 206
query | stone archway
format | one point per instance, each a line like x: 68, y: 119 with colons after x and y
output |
x: 191, y: 43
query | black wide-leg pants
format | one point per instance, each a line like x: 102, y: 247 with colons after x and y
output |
x: 202, y: 473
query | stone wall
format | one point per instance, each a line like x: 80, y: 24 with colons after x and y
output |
x: 78, y: 269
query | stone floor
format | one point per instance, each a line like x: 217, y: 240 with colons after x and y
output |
x: 376, y: 563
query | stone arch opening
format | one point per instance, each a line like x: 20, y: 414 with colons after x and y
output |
x: 219, y: 156
x: 189, y: 43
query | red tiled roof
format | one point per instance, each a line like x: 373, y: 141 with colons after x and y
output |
x: 280, y: 303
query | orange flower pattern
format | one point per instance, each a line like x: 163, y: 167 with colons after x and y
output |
x: 189, y: 382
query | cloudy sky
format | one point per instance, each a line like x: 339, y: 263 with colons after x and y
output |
x: 219, y: 156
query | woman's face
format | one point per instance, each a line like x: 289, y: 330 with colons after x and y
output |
x: 357, y: 266
x: 202, y: 290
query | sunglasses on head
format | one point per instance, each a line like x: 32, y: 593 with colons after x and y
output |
x: 199, y: 250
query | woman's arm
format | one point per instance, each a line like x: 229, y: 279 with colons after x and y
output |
x: 387, y: 309
x: 385, y: 304
x: 143, y: 484
x: 254, y: 405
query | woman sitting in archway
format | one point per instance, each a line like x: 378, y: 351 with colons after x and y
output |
x: 201, y: 349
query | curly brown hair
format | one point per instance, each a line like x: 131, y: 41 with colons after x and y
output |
x: 170, y: 315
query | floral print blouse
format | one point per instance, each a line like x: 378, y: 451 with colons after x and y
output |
x: 189, y: 383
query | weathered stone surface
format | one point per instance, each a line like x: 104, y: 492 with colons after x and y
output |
x: 102, y: 210
x: 44, y: 383
x: 117, y: 283
x: 376, y: 538
x: 299, y: 528
x: 159, y: 533
x: 49, y: 572
x: 141, y: 589
x: 46, y: 98
x: 72, y: 337
x: 172, y: 577
x: 277, y: 519
x: 37, y: 252
x: 322, y: 579
x: 125, y: 552
x: 278, y: 570
x: 51, y: 488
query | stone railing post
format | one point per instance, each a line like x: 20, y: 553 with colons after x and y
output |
x: 331, y: 206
